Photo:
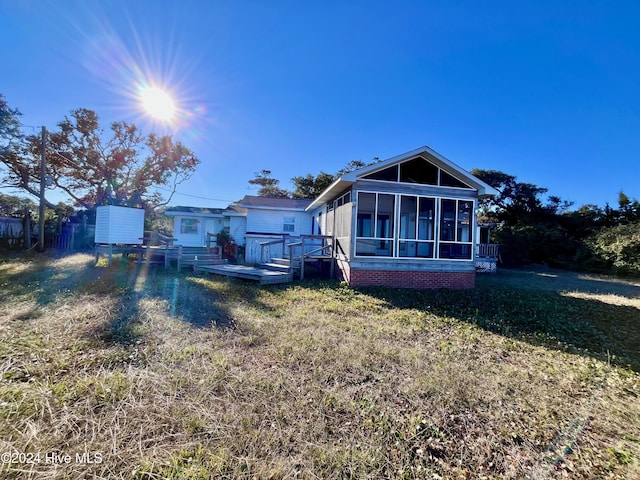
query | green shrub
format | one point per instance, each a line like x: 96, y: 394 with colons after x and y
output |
x: 619, y: 247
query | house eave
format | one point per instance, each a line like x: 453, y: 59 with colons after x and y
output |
x: 194, y: 214
x: 336, y: 188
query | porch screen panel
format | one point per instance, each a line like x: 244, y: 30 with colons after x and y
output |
x: 426, y: 227
x: 366, y: 212
x: 448, y: 220
x: 342, y: 232
x: 456, y: 235
x: 465, y: 210
x: 416, y: 227
x: 385, y: 216
x: 375, y: 224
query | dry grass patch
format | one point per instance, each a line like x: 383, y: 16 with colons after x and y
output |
x: 188, y: 377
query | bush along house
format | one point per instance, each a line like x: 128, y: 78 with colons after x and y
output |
x: 408, y: 221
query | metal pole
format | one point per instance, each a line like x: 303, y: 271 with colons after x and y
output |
x: 42, y: 185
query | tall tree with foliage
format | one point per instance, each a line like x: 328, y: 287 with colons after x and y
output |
x: 268, y: 185
x: 532, y: 229
x: 11, y: 141
x: 94, y: 168
x: 10, y: 134
x: 309, y: 186
x: 12, y: 205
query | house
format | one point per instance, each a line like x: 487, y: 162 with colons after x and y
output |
x: 408, y: 221
x: 250, y: 222
x: 269, y: 219
x: 191, y: 224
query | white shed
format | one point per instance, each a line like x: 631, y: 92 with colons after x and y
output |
x: 119, y: 225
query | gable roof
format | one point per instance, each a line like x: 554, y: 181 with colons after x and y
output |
x: 348, y: 179
x: 251, y: 201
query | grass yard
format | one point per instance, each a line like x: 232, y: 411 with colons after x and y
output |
x: 116, y: 372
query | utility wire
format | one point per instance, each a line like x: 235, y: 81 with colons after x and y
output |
x: 194, y: 196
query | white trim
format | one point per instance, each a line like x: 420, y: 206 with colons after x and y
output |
x: 284, y: 209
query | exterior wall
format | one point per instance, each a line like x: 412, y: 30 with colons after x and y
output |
x: 238, y: 229
x: 119, y: 225
x: 265, y: 220
x: 399, y: 278
x: 414, y: 280
x: 199, y: 237
x: 212, y: 225
x: 319, y: 215
x: 343, y: 229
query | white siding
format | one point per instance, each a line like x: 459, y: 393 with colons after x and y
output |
x: 211, y: 225
x: 238, y: 229
x: 116, y: 224
x: 187, y: 239
x: 272, y: 221
x: 318, y: 220
x: 198, y: 238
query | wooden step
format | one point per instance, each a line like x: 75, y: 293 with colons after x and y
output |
x: 277, y: 267
x: 280, y: 261
x: 261, y: 275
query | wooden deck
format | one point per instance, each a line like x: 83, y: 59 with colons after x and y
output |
x: 261, y: 275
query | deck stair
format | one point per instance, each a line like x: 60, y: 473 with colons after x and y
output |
x: 309, y: 249
x: 277, y: 265
x: 262, y: 275
x: 282, y: 265
x: 193, y: 257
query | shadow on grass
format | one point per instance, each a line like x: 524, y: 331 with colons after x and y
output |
x: 537, y: 308
x: 586, y: 325
x: 46, y: 278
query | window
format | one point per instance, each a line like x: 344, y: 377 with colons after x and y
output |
x: 387, y: 174
x: 447, y: 180
x: 189, y: 226
x: 289, y: 224
x: 418, y: 170
x: 375, y: 224
x: 456, y: 220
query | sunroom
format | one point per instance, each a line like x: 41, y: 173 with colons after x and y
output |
x: 407, y: 221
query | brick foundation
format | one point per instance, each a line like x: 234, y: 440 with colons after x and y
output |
x: 419, y: 280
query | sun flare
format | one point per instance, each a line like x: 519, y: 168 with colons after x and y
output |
x: 158, y: 103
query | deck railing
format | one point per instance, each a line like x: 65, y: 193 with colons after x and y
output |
x: 487, y: 257
x: 312, y: 247
x: 265, y: 246
x: 487, y: 250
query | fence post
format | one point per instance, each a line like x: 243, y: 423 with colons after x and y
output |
x: 27, y: 228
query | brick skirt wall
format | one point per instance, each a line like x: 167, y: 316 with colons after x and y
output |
x: 419, y: 280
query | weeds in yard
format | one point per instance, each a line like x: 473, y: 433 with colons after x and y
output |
x: 179, y: 376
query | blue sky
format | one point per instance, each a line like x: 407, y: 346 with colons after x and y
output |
x: 547, y: 91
